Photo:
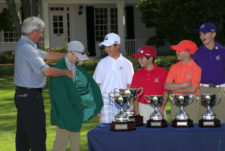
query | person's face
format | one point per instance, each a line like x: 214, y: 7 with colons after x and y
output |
x: 207, y: 38
x: 72, y: 57
x: 143, y: 61
x: 112, y: 50
x: 36, y: 35
x: 182, y: 55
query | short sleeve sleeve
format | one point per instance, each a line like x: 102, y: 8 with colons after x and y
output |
x: 164, y: 76
x: 196, y: 77
x: 42, y: 53
x: 130, y: 73
x: 98, y: 73
x: 35, y: 60
x: 171, y: 75
x: 134, y: 81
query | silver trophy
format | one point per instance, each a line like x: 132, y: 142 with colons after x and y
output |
x: 156, y: 119
x: 181, y: 101
x: 209, y: 118
x: 122, y: 121
x: 134, y: 94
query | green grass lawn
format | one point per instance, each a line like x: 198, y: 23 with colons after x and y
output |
x: 8, y: 118
x: 8, y: 110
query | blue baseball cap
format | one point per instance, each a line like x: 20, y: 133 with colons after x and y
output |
x: 207, y: 27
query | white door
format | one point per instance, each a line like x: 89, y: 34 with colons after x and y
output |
x: 58, y: 29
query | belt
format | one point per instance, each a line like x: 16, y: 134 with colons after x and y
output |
x: 212, y: 85
x: 32, y: 89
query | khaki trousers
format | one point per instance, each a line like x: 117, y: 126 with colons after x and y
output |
x: 62, y: 138
x: 219, y: 109
x: 146, y: 110
x: 192, y: 110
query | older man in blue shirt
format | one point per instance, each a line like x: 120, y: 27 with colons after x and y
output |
x: 30, y: 73
x: 211, y: 58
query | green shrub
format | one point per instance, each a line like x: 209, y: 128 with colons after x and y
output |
x: 7, y: 57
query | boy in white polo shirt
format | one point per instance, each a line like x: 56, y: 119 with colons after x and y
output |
x: 113, y: 71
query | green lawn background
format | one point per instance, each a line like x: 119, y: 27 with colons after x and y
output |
x: 8, y: 110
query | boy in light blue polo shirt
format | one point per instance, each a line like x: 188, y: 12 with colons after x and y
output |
x: 211, y: 58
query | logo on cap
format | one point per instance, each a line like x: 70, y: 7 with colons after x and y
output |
x: 202, y: 26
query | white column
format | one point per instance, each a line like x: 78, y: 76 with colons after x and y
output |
x: 46, y: 20
x: 121, y: 25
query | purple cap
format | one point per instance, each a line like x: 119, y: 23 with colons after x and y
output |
x: 207, y: 27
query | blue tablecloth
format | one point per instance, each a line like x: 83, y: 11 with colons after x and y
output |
x: 157, y: 139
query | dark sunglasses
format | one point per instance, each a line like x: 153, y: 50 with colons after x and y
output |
x: 84, y: 52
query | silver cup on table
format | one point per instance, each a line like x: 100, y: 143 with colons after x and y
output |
x: 182, y: 118
x: 209, y: 118
x: 122, y: 122
x: 156, y: 119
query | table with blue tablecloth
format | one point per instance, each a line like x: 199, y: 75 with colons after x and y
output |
x: 101, y: 138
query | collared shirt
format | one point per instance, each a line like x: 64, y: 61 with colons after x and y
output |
x: 113, y: 73
x: 152, y: 82
x: 180, y: 73
x: 29, y: 64
x: 212, y: 63
x: 71, y: 67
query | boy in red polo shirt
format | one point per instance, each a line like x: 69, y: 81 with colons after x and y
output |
x: 151, y: 78
x: 184, y: 77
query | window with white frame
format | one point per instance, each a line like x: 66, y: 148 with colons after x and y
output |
x: 11, y: 36
x: 58, y: 26
x: 105, y: 22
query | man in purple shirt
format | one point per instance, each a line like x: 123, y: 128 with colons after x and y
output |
x: 211, y: 58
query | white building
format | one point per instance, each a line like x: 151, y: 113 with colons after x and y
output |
x: 87, y: 21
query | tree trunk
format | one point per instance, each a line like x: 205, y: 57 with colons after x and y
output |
x: 35, y: 8
x: 13, y: 11
x: 26, y: 8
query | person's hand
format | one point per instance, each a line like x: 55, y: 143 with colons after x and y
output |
x: 98, y: 115
x: 80, y: 62
x: 69, y: 74
x: 187, y: 84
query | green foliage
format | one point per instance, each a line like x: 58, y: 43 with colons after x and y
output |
x: 6, y: 21
x: 62, y: 49
x: 7, y: 57
x: 176, y: 20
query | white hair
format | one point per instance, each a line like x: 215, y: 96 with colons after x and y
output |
x: 30, y: 24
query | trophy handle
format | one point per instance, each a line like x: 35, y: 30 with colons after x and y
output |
x: 171, y: 96
x: 111, y: 97
x: 219, y: 98
x: 116, y: 91
x: 140, y: 92
x: 191, y: 98
x: 147, y: 98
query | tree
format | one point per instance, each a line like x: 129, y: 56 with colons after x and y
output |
x: 28, y: 8
x: 176, y: 20
x: 6, y: 23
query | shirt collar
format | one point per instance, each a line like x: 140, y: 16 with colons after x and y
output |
x: 120, y: 57
x: 216, y: 47
x: 68, y: 63
x: 28, y: 40
x: 155, y: 66
x: 190, y: 63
